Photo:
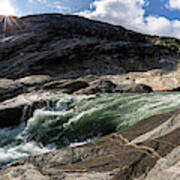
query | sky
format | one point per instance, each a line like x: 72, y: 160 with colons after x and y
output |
x: 156, y: 17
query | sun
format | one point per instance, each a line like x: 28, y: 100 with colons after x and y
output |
x: 8, y: 18
x: 6, y: 8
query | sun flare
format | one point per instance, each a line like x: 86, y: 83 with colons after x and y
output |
x: 6, y: 8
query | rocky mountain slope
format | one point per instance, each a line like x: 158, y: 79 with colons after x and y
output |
x: 53, y: 42
x: 42, y: 56
x: 68, y: 47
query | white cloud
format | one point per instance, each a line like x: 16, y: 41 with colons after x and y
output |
x: 130, y: 14
x: 174, y: 4
x: 125, y: 12
x: 41, y: 1
x: 158, y: 25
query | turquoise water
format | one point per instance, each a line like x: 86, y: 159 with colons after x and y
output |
x: 73, y: 119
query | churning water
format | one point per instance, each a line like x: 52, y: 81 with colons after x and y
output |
x: 71, y: 120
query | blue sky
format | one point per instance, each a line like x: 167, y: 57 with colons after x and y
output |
x: 24, y: 7
x: 161, y: 17
x: 160, y: 8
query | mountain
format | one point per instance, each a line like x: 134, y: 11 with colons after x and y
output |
x: 66, y: 46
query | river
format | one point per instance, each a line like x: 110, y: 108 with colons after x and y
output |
x: 74, y: 120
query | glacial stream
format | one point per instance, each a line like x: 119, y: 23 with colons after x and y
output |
x: 72, y: 120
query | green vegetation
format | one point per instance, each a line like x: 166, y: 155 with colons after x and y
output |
x: 165, y: 41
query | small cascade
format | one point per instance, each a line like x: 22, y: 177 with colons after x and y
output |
x: 27, y: 111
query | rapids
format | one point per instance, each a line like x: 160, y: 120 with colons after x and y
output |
x: 75, y: 120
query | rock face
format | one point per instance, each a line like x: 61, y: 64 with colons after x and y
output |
x: 70, y: 47
x: 148, y: 150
